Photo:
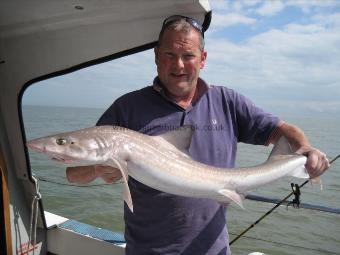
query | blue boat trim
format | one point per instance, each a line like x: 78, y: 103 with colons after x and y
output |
x: 98, y: 233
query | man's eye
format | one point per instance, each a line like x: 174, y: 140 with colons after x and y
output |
x: 189, y: 56
x: 61, y: 141
x: 169, y: 54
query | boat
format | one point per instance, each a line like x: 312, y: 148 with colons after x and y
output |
x: 45, y: 39
x: 42, y: 39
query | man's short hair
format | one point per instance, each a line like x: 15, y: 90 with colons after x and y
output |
x: 181, y: 25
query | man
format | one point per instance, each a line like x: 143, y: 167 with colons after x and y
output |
x: 168, y: 224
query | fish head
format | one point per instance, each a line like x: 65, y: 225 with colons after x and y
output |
x: 74, y: 148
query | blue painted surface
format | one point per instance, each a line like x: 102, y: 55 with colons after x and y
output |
x: 98, y: 233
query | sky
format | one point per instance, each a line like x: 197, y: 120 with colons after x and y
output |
x: 283, y: 55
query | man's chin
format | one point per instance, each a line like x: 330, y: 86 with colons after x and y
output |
x: 181, y: 83
x: 180, y: 89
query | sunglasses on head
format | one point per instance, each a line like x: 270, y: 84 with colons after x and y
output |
x: 194, y: 23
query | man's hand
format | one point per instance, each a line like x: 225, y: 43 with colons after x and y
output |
x: 86, y: 174
x: 107, y: 173
x: 317, y: 162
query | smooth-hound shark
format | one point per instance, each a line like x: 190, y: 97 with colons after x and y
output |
x: 163, y: 163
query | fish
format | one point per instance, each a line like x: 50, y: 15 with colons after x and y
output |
x: 163, y: 162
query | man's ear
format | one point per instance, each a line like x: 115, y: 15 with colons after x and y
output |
x: 203, y: 58
x: 155, y: 49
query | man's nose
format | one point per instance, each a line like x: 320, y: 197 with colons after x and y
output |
x: 179, y: 62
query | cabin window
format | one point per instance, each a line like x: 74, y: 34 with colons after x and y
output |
x: 74, y: 101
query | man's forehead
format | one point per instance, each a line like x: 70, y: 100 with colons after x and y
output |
x: 174, y: 39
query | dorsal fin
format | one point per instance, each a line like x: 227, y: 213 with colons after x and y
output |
x: 179, y: 138
x: 281, y: 147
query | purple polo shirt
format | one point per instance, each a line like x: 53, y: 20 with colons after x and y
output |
x: 167, y: 224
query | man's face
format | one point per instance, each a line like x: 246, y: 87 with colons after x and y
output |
x: 179, y: 60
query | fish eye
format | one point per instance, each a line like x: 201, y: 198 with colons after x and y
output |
x: 61, y: 141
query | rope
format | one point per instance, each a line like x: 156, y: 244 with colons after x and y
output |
x: 34, y: 217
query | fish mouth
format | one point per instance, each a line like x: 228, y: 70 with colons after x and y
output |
x: 53, y: 156
x: 62, y: 160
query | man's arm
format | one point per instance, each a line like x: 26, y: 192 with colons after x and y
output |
x: 317, y: 162
x: 86, y: 174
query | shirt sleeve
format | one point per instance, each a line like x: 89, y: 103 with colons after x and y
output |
x: 254, y: 125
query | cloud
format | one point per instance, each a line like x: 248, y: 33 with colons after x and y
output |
x: 270, y: 8
x: 233, y: 6
x: 220, y: 5
x: 307, y: 5
x: 273, y: 7
x: 293, y: 66
x: 222, y: 21
x: 97, y: 86
x: 249, y: 3
x: 332, y: 21
x: 299, y: 62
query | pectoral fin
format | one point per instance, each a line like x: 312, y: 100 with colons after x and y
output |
x: 232, y: 195
x: 126, y: 190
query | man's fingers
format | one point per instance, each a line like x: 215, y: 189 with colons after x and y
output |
x: 101, y: 170
x: 317, y: 161
x: 107, y: 173
x: 110, y: 178
x: 312, y: 161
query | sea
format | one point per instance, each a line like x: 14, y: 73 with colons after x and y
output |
x: 286, y: 231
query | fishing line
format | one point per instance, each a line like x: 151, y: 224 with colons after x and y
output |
x: 276, y: 206
x: 74, y: 185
